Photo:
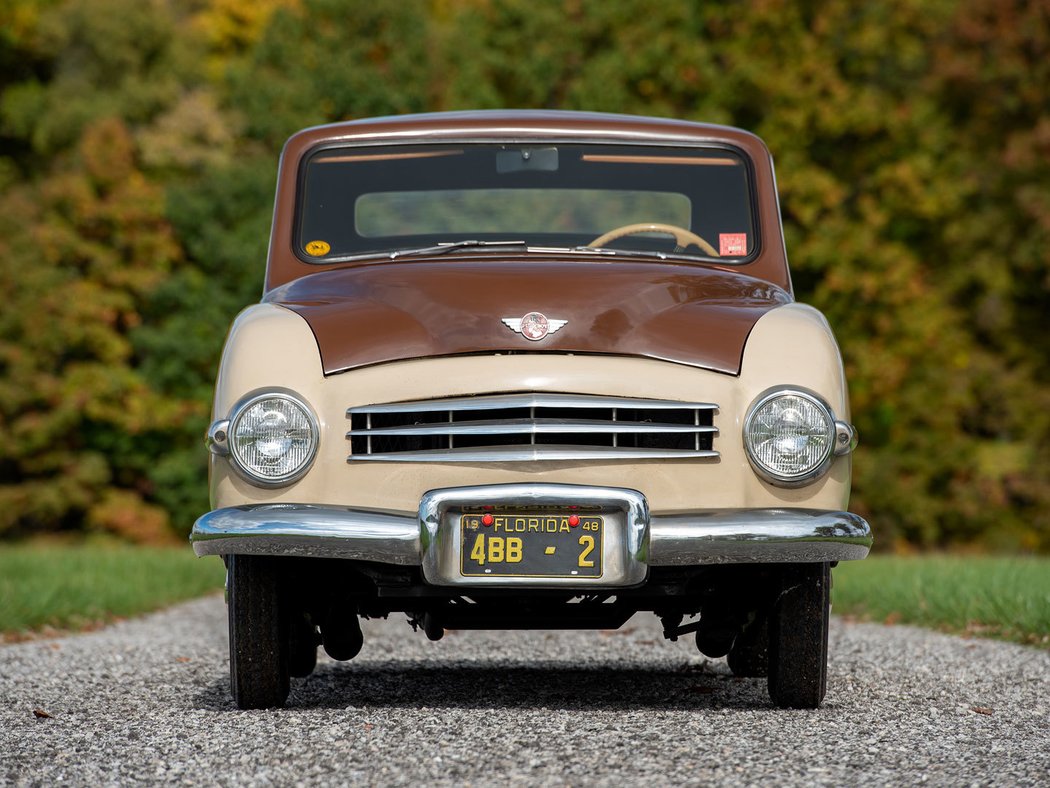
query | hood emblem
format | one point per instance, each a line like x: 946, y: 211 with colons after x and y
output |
x: 534, y: 325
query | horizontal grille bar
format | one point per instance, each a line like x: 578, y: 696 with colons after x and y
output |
x: 500, y: 401
x: 536, y: 426
x: 530, y: 453
x: 531, y: 427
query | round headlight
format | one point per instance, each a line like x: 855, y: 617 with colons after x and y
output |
x: 789, y: 436
x: 273, y: 438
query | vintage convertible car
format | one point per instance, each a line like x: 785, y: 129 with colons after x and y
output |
x: 529, y: 370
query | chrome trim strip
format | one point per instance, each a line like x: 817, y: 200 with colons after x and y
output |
x: 625, y: 540
x: 533, y: 453
x: 502, y: 401
x: 531, y: 426
x: 737, y: 536
x: 305, y: 530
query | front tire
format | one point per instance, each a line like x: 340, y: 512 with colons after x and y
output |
x: 798, y: 637
x: 259, y: 635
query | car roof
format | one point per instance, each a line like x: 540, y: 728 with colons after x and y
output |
x: 504, y: 123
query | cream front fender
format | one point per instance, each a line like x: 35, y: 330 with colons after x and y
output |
x: 793, y: 346
x: 268, y: 348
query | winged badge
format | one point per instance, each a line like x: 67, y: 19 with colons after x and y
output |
x: 534, y: 325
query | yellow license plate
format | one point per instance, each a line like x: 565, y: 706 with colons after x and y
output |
x: 531, y: 544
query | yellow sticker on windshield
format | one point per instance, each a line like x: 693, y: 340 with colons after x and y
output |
x: 317, y: 248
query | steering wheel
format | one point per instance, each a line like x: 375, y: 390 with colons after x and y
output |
x: 682, y: 236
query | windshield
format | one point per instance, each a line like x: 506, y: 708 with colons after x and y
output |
x: 622, y: 198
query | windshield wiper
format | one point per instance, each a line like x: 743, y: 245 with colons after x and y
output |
x: 604, y: 250
x: 452, y: 246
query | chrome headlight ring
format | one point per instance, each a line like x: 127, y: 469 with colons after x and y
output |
x: 791, y: 436
x: 271, y: 437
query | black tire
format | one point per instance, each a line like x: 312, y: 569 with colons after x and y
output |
x: 259, y: 635
x: 798, y: 637
x: 749, y: 655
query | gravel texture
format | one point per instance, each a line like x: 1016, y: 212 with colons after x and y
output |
x: 148, y: 700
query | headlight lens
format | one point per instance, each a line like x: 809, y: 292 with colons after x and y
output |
x: 273, y: 438
x: 789, y: 436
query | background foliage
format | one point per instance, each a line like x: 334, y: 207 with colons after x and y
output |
x: 138, y: 149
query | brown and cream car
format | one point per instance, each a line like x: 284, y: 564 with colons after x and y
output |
x: 529, y: 370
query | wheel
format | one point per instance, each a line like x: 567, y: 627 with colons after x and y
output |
x: 798, y: 637
x: 259, y: 635
x: 749, y: 655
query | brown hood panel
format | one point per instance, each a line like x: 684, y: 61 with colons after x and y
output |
x: 390, y: 311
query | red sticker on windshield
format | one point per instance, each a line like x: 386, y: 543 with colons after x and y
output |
x: 732, y: 244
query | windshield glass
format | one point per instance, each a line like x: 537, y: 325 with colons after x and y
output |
x: 376, y: 200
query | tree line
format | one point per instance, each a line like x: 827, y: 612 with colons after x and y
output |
x: 138, y: 150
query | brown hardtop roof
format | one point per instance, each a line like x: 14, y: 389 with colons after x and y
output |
x: 511, y: 124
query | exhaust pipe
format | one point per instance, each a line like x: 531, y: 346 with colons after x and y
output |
x: 341, y: 636
x: 432, y: 627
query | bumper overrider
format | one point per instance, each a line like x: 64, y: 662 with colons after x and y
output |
x: 634, y: 541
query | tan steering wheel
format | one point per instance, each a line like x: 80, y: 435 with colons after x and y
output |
x: 682, y: 236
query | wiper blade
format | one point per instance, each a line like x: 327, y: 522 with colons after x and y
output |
x: 452, y: 246
x: 603, y: 250
x: 594, y: 249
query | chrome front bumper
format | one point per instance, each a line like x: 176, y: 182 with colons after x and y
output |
x: 687, y: 539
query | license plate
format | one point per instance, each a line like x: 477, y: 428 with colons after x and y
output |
x: 529, y: 544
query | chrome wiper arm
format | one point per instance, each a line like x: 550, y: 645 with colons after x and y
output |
x: 604, y: 250
x: 593, y: 249
x: 451, y: 246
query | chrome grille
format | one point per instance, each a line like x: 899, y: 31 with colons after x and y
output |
x: 524, y: 427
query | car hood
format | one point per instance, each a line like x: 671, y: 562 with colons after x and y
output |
x: 380, y: 312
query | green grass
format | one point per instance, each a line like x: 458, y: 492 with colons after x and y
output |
x: 1007, y: 598
x: 78, y: 586
x: 72, y: 587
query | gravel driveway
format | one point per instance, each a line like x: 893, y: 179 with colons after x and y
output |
x: 147, y: 700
